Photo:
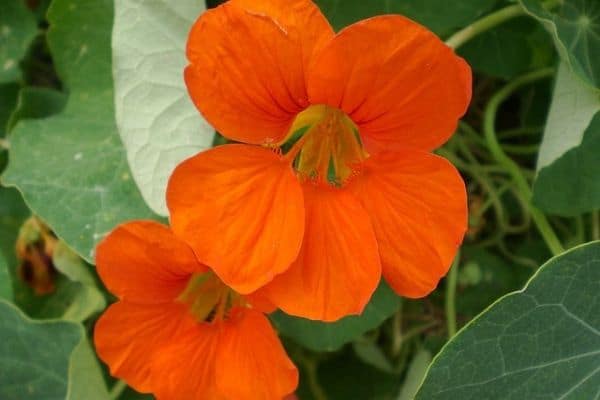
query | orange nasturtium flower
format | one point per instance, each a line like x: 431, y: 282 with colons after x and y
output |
x: 334, y: 183
x: 177, y: 331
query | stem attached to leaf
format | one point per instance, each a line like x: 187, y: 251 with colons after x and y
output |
x: 494, y: 146
x: 491, y: 21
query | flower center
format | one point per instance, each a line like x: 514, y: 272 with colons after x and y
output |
x: 326, y: 145
x: 208, y: 298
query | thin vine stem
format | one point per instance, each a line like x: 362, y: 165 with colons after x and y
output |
x: 490, y: 21
x: 451, y: 296
x: 489, y: 129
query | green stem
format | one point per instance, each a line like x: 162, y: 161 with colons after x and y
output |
x: 310, y: 366
x: 451, y: 296
x: 117, y: 390
x: 490, y: 21
x: 494, y: 146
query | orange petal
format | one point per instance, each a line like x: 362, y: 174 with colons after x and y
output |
x: 127, y: 336
x: 143, y: 261
x: 185, y: 369
x: 260, y: 301
x: 241, y: 209
x: 418, y: 205
x: 338, y: 267
x: 251, y: 362
x: 247, y: 65
x: 398, y: 82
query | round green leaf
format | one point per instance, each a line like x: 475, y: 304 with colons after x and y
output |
x: 157, y: 121
x: 542, y: 342
x: 71, y: 168
x: 322, y: 336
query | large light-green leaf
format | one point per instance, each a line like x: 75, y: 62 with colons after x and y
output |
x: 46, y: 360
x: 539, y: 343
x: 441, y: 16
x: 568, y: 166
x: 321, y: 336
x: 575, y: 27
x: 71, y: 168
x: 158, y: 123
x: 17, y: 30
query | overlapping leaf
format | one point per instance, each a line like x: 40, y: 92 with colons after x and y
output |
x: 71, y: 167
x: 575, y: 27
x: 568, y: 166
x: 158, y: 123
x: 48, y: 360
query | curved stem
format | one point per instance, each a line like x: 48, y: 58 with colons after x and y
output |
x: 451, y: 296
x: 490, y: 21
x: 117, y: 390
x: 494, y: 146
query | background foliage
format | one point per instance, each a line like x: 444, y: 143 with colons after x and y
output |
x: 77, y: 158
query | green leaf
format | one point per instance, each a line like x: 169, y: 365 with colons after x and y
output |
x: 13, y: 212
x: 8, y: 100
x: 157, y: 120
x: 321, y: 336
x: 87, y: 299
x: 17, y: 30
x: 85, y: 376
x: 414, y: 376
x: 43, y: 360
x: 539, y: 343
x: 37, y: 103
x: 6, y: 291
x: 71, y: 168
x: 568, y: 168
x: 509, y: 50
x: 575, y: 28
x: 441, y: 16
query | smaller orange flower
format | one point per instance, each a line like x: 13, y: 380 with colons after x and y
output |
x: 177, y: 331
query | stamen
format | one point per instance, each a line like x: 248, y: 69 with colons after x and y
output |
x: 329, y: 149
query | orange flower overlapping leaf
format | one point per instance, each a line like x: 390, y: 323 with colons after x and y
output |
x: 177, y: 331
x: 334, y: 184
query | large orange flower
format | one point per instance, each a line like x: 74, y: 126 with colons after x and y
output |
x: 335, y: 183
x: 176, y: 330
